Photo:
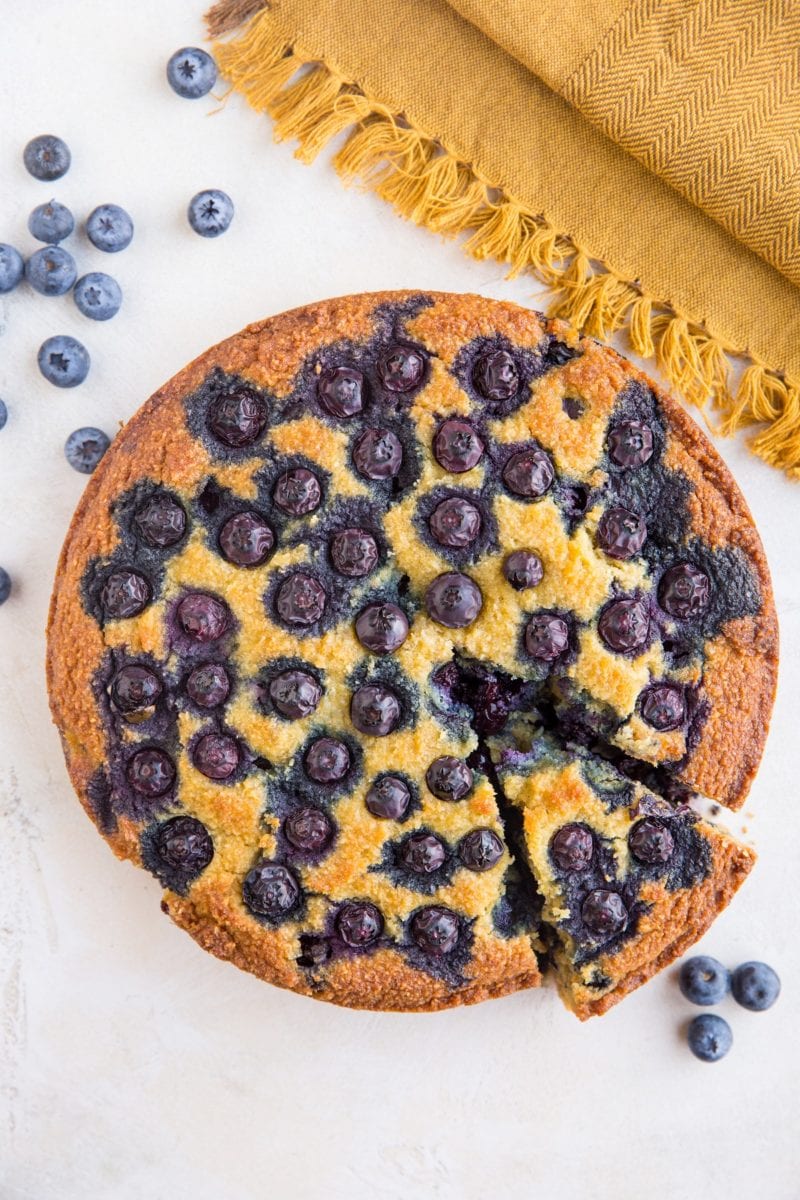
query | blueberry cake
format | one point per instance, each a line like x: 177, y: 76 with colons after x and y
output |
x: 396, y: 635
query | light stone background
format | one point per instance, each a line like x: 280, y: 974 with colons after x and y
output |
x: 136, y: 1067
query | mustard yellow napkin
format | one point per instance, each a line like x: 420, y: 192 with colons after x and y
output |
x: 641, y: 156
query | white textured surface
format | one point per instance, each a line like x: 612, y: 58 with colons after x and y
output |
x: 135, y: 1066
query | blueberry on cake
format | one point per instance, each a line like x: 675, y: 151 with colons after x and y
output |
x: 396, y: 635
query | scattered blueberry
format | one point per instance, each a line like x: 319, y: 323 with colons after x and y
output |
x: 354, y: 552
x: 496, y: 375
x: 604, y: 913
x: 246, y: 539
x: 12, y: 267
x: 308, y: 828
x: 457, y: 447
x: 621, y: 533
x: 703, y: 980
x: 546, y: 636
x: 651, y: 842
x: 210, y: 212
x: 455, y: 522
x: 98, y: 296
x: 3, y: 414
x: 47, y: 157
x: 84, y: 448
x: 630, y: 444
x: 710, y: 1037
x: 624, y: 625
x: 51, y: 222
x: 150, y: 772
x: 755, y: 986
x: 423, y: 853
x: 480, y: 849
x: 109, y: 228
x: 449, y: 778
x: 191, y: 73
x: 64, y: 361
x: 528, y: 473
x: 51, y: 271
x: 5, y: 585
x: 572, y: 848
x: 184, y: 844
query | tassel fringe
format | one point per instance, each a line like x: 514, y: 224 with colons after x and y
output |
x: 431, y: 187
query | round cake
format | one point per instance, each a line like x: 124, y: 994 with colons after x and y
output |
x: 395, y: 636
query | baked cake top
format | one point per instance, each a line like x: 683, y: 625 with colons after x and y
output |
x: 349, y: 570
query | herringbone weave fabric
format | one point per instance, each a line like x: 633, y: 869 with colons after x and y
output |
x: 643, y: 156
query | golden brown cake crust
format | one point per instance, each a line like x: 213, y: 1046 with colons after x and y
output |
x: 738, y: 678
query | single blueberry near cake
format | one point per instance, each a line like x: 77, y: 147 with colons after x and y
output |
x: 394, y: 636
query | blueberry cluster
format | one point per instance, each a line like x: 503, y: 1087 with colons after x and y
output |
x: 705, y: 981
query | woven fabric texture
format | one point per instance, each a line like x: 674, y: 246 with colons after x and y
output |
x: 642, y: 156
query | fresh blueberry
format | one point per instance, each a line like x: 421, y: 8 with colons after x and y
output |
x: 5, y: 585
x: 703, y: 980
x: 46, y: 157
x: 12, y: 267
x: 109, y: 228
x: 710, y: 1037
x: 51, y: 222
x: 84, y: 449
x: 51, y: 271
x: 210, y: 212
x: 98, y: 296
x: 3, y: 414
x: 64, y: 361
x: 191, y: 73
x: 755, y: 986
